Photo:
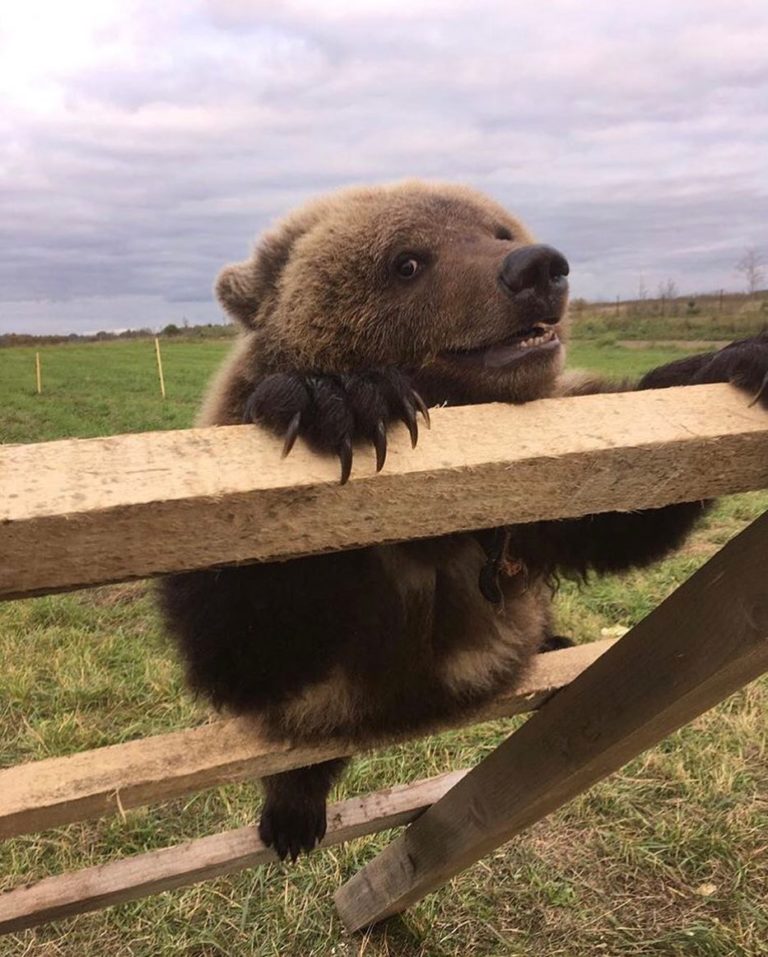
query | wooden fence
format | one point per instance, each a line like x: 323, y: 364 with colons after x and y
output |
x: 83, y: 512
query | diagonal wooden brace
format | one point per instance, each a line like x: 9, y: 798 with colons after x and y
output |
x: 707, y: 640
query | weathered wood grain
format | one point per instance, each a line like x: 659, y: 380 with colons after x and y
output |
x: 81, y: 512
x: 133, y: 877
x: 705, y: 641
x: 55, y: 791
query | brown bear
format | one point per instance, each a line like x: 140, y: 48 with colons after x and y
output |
x: 359, y: 310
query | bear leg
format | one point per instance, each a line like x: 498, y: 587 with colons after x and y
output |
x: 293, y: 817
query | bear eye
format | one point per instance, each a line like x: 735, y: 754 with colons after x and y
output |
x: 503, y: 233
x: 407, y: 266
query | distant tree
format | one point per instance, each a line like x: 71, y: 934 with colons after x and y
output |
x: 667, y: 293
x: 171, y: 330
x: 639, y: 305
x: 668, y: 289
x: 752, y: 267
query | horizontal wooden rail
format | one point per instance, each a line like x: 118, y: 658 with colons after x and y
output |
x: 83, y: 512
x: 141, y: 874
x: 54, y: 791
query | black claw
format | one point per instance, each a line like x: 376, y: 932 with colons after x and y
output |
x: 290, y: 434
x: 422, y: 407
x: 409, y: 417
x: 248, y: 416
x: 760, y: 391
x: 380, y: 444
x: 345, y: 457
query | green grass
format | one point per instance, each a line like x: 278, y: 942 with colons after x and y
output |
x: 101, y: 388
x: 620, y: 363
x: 669, y: 857
x: 741, y: 316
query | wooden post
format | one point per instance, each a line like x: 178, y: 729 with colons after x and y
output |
x: 704, y: 642
x: 720, y: 305
x: 38, y: 374
x: 618, y: 306
x: 160, y: 366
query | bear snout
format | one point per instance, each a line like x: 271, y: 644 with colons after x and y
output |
x: 536, y: 267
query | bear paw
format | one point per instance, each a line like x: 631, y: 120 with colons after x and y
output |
x: 333, y: 412
x: 290, y: 828
x: 744, y: 364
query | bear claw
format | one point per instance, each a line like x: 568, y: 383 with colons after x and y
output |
x: 290, y: 830
x: 332, y: 412
x: 422, y: 407
x: 380, y: 444
x: 291, y: 434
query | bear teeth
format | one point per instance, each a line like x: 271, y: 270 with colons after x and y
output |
x: 537, y: 340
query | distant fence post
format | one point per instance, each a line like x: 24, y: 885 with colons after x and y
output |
x: 160, y: 367
x: 38, y: 374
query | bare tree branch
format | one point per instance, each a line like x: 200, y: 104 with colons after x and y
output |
x: 752, y: 267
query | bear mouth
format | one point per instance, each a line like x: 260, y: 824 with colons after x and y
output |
x: 533, y: 340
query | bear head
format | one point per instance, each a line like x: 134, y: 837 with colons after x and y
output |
x: 437, y: 279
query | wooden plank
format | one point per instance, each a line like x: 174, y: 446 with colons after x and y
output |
x: 704, y: 642
x: 55, y: 791
x: 133, y: 506
x: 202, y: 859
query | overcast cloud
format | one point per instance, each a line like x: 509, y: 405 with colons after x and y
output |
x: 144, y: 144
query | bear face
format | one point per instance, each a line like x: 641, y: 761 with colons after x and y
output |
x: 436, y: 279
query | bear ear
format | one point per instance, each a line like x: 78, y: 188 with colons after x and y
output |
x: 238, y: 290
x: 242, y: 287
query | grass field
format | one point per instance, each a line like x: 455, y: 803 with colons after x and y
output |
x: 669, y: 857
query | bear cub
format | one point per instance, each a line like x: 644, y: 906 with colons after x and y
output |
x: 359, y: 311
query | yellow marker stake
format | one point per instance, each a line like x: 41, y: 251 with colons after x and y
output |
x: 160, y: 367
x: 38, y: 373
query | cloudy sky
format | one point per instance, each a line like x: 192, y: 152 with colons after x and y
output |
x: 144, y: 143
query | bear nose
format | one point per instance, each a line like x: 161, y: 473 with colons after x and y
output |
x: 533, y: 267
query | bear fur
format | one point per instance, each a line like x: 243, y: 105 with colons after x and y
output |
x: 357, y: 311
